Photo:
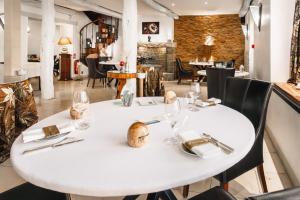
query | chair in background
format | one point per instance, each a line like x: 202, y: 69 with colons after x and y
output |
x: 95, y: 71
x: 28, y: 191
x: 216, y: 81
x: 182, y: 73
x: 251, y: 98
x: 230, y: 64
x: 218, y: 193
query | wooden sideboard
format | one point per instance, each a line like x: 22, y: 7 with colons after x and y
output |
x: 65, y: 67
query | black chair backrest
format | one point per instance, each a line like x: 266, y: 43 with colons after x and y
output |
x: 179, y: 64
x: 216, y: 78
x: 92, y: 64
x: 250, y: 97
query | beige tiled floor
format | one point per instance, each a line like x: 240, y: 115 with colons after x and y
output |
x: 241, y: 187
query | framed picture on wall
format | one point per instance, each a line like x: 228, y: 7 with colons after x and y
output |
x: 150, y: 27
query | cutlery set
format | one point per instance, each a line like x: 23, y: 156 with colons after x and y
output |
x: 188, y: 145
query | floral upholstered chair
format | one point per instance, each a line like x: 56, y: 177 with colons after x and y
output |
x: 17, y: 112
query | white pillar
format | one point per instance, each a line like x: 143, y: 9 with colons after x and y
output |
x: 129, y: 22
x: 12, y: 36
x: 47, y: 48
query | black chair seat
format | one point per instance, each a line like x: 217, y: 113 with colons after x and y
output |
x: 288, y: 194
x: 218, y: 193
x: 215, y: 193
x: 28, y: 191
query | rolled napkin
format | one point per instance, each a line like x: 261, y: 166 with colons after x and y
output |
x: 209, y: 102
x: 204, y: 151
x: 37, y: 134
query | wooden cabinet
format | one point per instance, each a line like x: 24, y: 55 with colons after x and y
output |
x: 65, y: 67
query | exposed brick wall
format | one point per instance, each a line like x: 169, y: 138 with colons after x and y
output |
x: 191, y: 31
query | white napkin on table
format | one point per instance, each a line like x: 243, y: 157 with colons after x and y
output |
x: 208, y: 150
x: 37, y: 134
x: 207, y: 103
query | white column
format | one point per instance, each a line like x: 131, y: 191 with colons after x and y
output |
x: 24, y: 39
x: 12, y: 36
x: 129, y: 22
x: 47, y: 48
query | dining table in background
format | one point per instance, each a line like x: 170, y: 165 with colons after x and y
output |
x: 122, y: 79
x: 236, y: 74
x: 103, y: 165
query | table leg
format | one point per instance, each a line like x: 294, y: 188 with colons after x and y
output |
x: 121, y: 84
x: 167, y: 195
x: 131, y: 197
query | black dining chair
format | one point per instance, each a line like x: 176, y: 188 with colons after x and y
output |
x: 182, y: 73
x: 218, y: 193
x: 28, y: 191
x: 230, y: 64
x: 216, y: 81
x: 95, y: 71
x: 251, y: 98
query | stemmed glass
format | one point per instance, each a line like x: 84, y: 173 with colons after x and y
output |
x: 81, y: 105
x: 193, y: 95
x: 172, y: 116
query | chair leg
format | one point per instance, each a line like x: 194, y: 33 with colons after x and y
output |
x: 225, y: 186
x: 88, y: 83
x: 94, y: 83
x: 185, y: 192
x: 262, y: 178
x: 179, y: 80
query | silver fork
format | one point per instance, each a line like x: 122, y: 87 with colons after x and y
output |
x: 54, y: 145
x: 227, y: 149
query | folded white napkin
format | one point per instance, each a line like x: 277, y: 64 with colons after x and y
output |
x: 37, y: 134
x: 205, y: 150
x: 208, y: 102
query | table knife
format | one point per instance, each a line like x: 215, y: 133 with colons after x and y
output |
x: 224, y: 147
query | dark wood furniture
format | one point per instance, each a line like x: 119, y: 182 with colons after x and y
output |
x: 65, y: 67
x: 95, y: 71
x: 183, y: 73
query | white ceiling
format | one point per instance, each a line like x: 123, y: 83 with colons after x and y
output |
x: 199, y: 7
x: 182, y: 7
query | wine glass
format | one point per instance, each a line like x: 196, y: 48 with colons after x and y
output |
x: 193, y: 95
x: 81, y: 105
x: 172, y: 111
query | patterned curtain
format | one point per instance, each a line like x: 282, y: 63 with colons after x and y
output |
x: 295, y: 47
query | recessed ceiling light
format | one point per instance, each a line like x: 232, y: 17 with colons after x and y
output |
x: 173, y: 4
x: 205, y: 2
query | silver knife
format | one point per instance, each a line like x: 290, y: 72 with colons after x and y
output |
x: 54, y: 145
x: 224, y: 147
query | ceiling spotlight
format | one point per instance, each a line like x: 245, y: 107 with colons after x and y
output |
x: 205, y: 2
x: 173, y: 4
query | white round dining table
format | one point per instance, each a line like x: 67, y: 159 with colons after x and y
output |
x: 236, y: 74
x: 103, y: 165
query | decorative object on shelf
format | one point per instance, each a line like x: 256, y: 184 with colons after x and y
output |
x: 149, y: 38
x: 74, y: 114
x: 150, y: 27
x: 127, y: 98
x: 64, y: 41
x: 137, y: 135
x: 170, y: 97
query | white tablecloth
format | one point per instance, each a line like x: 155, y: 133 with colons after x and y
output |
x: 202, y: 63
x: 104, y: 165
x: 237, y: 73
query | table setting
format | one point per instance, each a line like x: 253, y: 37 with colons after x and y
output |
x: 132, y: 146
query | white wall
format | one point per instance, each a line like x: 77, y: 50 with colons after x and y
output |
x: 34, y: 36
x: 166, y: 24
x: 282, y: 13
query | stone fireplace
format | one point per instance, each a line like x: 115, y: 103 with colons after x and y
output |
x: 160, y: 56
